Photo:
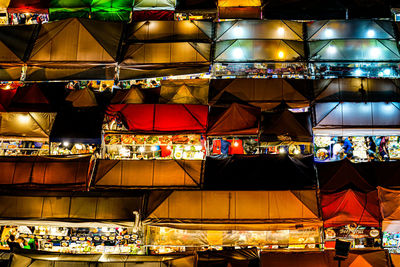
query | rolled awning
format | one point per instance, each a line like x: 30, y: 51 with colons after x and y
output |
x: 50, y: 173
x: 126, y: 174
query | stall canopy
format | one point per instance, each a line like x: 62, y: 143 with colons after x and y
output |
x: 30, y: 98
x: 231, y: 257
x: 365, y: 258
x: 50, y: 173
x: 238, y: 119
x: 340, y: 175
x: 244, y: 9
x: 161, y: 118
x: 286, y: 126
x: 192, y: 5
x: 347, y: 207
x: 131, y: 96
x: 389, y: 202
x: 264, y: 93
x: 186, y: 91
x: 154, y: 5
x: 153, y: 9
x: 32, y: 126
x: 82, y: 98
x: 237, y: 210
x: 355, y: 119
x: 78, y: 126
x: 31, y: 6
x: 147, y: 174
x: 6, y: 95
x: 259, y: 29
x: 110, y: 10
x: 26, y: 259
x: 261, y: 172
x: 356, y: 90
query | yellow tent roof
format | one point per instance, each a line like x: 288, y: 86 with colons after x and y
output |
x: 82, y: 98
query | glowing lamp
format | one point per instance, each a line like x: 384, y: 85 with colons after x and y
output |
x: 281, y: 54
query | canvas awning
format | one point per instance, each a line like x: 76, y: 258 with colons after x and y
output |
x: 348, y: 90
x: 82, y: 98
x: 147, y: 174
x: 259, y: 172
x: 264, y: 93
x: 186, y: 91
x: 236, y: 120
x: 161, y: 118
x: 50, y: 173
x: 286, y: 126
x: 259, y: 29
x: 355, y: 119
x: 26, y: 259
x: 347, y: 207
x: 78, y: 126
x: 361, y: 257
x: 237, y: 210
x: 32, y: 126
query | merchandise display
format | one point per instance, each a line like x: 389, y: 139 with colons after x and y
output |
x: 66, y: 148
x: 23, y: 148
x: 359, y: 236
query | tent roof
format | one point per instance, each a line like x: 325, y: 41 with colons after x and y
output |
x: 51, y: 173
x: 389, y: 203
x: 82, y: 98
x: 264, y: 93
x: 196, y: 5
x: 147, y: 174
x: 347, y: 207
x: 286, y: 125
x: 261, y: 172
x: 238, y: 119
x: 154, y: 5
x: 131, y: 96
x: 14, y: 41
x: 186, y: 91
x: 230, y: 210
x: 238, y: 3
x: 30, y: 98
x: 78, y: 126
x: 161, y: 118
x: 6, y: 95
x: 339, y: 175
x: 26, y: 125
x: 31, y: 6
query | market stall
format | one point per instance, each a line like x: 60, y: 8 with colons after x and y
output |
x: 77, y: 132
x: 185, y: 91
x: 91, y: 55
x: 126, y: 174
x: 155, y: 131
x: 25, y: 133
x: 48, y: 173
x: 239, y: 9
x: 261, y: 172
x: 276, y: 219
x: 164, y: 48
x: 153, y: 10
x: 233, y: 130
x: 82, y: 98
x: 31, y: 97
x: 359, y: 128
x: 263, y: 93
x: 128, y: 96
x: 286, y: 132
x: 352, y: 216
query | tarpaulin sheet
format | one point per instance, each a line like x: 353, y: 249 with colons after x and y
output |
x: 347, y: 207
x: 147, y: 174
x: 51, y: 173
x: 78, y: 126
x: 286, y: 126
x: 259, y: 172
x: 236, y: 120
x: 237, y: 210
x: 158, y: 118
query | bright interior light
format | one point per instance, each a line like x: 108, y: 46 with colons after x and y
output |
x: 66, y: 144
x: 235, y: 144
x: 375, y: 52
x: 282, y: 150
x: 370, y: 33
x: 238, y: 53
x: 332, y: 49
x: 387, y: 72
x: 141, y: 149
x: 296, y: 151
x: 238, y: 31
x: 358, y: 72
x: 78, y: 146
x: 281, y: 54
x: 23, y: 118
x: 328, y: 33
x: 153, y: 148
x: 281, y: 31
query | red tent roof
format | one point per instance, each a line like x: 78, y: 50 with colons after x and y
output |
x: 161, y: 118
x: 348, y: 207
x: 31, y: 6
x: 5, y: 97
x: 238, y: 119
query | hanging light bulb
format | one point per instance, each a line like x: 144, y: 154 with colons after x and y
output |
x: 235, y: 143
x: 329, y: 33
x: 371, y: 33
x: 296, y: 151
x: 281, y: 54
x: 282, y: 150
x: 66, y: 143
x: 238, y: 53
x: 332, y: 49
x: 281, y: 31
